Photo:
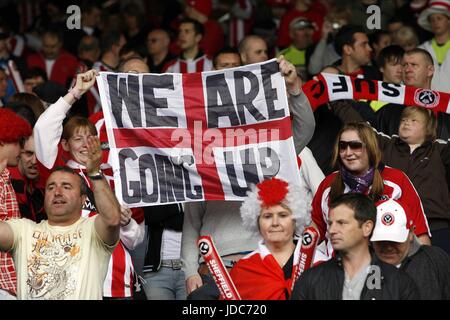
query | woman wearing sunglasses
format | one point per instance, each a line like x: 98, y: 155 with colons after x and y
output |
x: 423, y: 158
x: 357, y: 157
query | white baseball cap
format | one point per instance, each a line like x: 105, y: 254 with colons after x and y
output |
x: 392, y: 222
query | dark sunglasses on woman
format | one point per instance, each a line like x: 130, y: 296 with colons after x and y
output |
x: 353, y: 144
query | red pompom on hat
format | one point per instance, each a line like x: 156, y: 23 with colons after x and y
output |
x: 272, y: 192
x: 12, y: 126
x: 203, y: 6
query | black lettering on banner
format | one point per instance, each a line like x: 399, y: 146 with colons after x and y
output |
x: 231, y: 173
x: 152, y: 104
x: 245, y: 100
x: 267, y: 155
x: 391, y: 89
x: 134, y: 186
x: 185, y: 161
x: 198, y: 191
x: 267, y: 70
x: 340, y: 86
x: 170, y: 180
x: 216, y: 85
x: 147, y: 164
x: 128, y: 92
x: 249, y: 166
x: 359, y: 82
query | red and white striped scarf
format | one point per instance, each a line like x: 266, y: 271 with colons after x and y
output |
x: 331, y: 87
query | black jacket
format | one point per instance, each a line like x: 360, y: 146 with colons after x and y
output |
x: 158, y: 218
x: 326, y: 282
x: 429, y: 267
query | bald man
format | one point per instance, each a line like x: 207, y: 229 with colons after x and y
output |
x: 253, y: 49
x: 158, y: 42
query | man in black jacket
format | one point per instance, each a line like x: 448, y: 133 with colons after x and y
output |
x: 395, y: 243
x: 355, y: 273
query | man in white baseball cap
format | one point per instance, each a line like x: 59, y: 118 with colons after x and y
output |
x: 394, y: 242
x: 436, y: 18
x: 391, y: 223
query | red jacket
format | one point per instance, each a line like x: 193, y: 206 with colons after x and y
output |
x: 63, y: 71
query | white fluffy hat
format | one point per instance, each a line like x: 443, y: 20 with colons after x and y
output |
x: 272, y: 192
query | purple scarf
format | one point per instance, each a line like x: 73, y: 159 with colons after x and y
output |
x: 358, y: 184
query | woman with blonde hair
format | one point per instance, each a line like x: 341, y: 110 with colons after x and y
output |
x: 357, y: 157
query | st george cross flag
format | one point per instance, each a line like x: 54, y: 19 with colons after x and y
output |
x: 197, y: 136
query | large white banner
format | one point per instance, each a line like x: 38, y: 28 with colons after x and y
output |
x: 197, y: 136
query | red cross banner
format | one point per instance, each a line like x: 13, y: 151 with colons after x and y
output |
x: 197, y: 136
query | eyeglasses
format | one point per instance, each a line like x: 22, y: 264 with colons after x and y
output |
x: 354, y: 145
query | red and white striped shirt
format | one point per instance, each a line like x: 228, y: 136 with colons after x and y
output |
x: 202, y: 63
x: 9, y: 209
x: 240, y: 23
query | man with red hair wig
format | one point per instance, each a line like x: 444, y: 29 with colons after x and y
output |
x: 13, y: 130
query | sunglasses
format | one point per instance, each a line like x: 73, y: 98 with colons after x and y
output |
x: 354, y: 145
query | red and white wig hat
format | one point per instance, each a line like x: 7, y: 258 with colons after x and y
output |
x: 270, y: 193
x: 434, y: 6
